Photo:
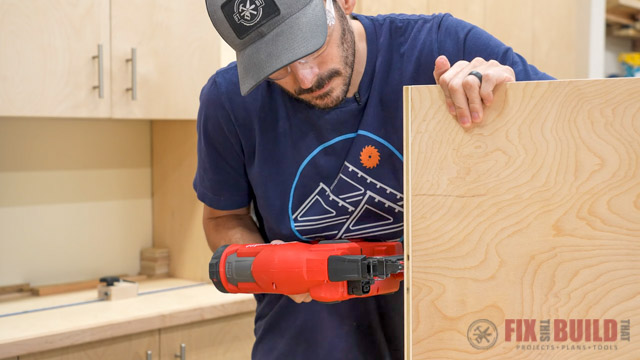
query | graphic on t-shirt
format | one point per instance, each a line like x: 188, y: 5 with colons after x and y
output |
x: 356, y: 203
x: 369, y: 157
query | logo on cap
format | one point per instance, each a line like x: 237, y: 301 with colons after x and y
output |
x: 245, y: 16
x: 248, y: 13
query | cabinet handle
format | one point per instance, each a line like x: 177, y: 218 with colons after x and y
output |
x: 149, y: 355
x: 134, y: 74
x: 100, y: 85
x: 183, y: 352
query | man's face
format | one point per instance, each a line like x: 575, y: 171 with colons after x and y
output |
x: 324, y: 82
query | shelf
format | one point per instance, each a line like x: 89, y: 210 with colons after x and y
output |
x: 629, y: 7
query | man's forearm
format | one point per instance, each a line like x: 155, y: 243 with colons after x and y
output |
x: 231, y: 229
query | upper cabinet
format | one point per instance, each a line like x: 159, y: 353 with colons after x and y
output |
x: 176, y: 50
x: 49, y: 59
x: 128, y: 59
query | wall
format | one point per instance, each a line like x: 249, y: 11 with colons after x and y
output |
x: 75, y: 198
x: 551, y: 34
x: 177, y: 213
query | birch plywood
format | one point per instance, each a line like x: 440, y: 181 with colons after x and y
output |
x: 534, y: 215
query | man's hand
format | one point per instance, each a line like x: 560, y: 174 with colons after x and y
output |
x: 300, y: 298
x: 465, y: 94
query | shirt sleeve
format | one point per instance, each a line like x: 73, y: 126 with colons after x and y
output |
x: 459, y: 40
x: 221, y: 180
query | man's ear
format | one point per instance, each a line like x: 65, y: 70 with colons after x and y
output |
x: 347, y: 5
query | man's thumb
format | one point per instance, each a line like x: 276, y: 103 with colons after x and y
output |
x: 442, y: 66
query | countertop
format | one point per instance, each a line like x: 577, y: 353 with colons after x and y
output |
x: 48, y: 322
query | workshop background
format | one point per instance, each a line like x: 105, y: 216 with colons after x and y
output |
x: 98, y: 100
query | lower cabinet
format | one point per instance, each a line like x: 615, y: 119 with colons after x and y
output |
x: 226, y: 338
x: 130, y: 347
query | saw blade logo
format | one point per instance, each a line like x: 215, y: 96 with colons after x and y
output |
x: 482, y: 334
x: 248, y: 13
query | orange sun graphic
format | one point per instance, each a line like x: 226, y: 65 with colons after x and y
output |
x: 369, y: 157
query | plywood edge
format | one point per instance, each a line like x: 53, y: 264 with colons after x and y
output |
x: 407, y: 220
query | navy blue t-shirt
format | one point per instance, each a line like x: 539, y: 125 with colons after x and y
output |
x: 330, y: 174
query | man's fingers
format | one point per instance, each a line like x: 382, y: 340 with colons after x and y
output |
x: 301, y: 298
x: 455, y: 82
x: 494, y: 75
x: 442, y: 66
x: 471, y: 86
x: 466, y: 95
x: 450, y: 82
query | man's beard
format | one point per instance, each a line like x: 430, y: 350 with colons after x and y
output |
x: 333, y: 96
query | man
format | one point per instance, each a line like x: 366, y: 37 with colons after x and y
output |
x: 307, y: 126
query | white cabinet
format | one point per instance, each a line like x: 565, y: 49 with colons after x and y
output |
x: 132, y: 347
x: 177, y: 50
x: 50, y: 65
x: 229, y: 338
x: 47, y: 64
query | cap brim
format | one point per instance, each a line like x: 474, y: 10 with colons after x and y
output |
x: 297, y: 37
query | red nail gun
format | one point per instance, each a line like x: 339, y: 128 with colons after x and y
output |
x: 329, y: 271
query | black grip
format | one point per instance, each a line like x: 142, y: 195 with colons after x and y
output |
x: 214, y: 269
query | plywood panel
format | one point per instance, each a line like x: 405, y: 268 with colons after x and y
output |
x: 534, y: 215
x: 177, y: 213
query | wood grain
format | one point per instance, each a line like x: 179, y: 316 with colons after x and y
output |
x: 177, y: 213
x: 551, y: 34
x: 46, y: 65
x: 229, y: 338
x: 16, y: 288
x: 535, y: 214
x: 87, y: 320
x: 177, y: 48
x: 132, y: 347
x: 64, y: 288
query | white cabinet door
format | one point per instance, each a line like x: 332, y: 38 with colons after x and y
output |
x: 228, y: 338
x: 46, y: 58
x: 177, y: 50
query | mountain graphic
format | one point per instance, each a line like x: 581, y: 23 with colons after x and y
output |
x: 355, y: 206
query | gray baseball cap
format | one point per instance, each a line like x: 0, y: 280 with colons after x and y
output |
x: 267, y: 35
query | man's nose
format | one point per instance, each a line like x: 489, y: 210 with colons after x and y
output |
x: 305, y: 74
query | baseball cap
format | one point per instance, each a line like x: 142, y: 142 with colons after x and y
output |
x: 268, y: 34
